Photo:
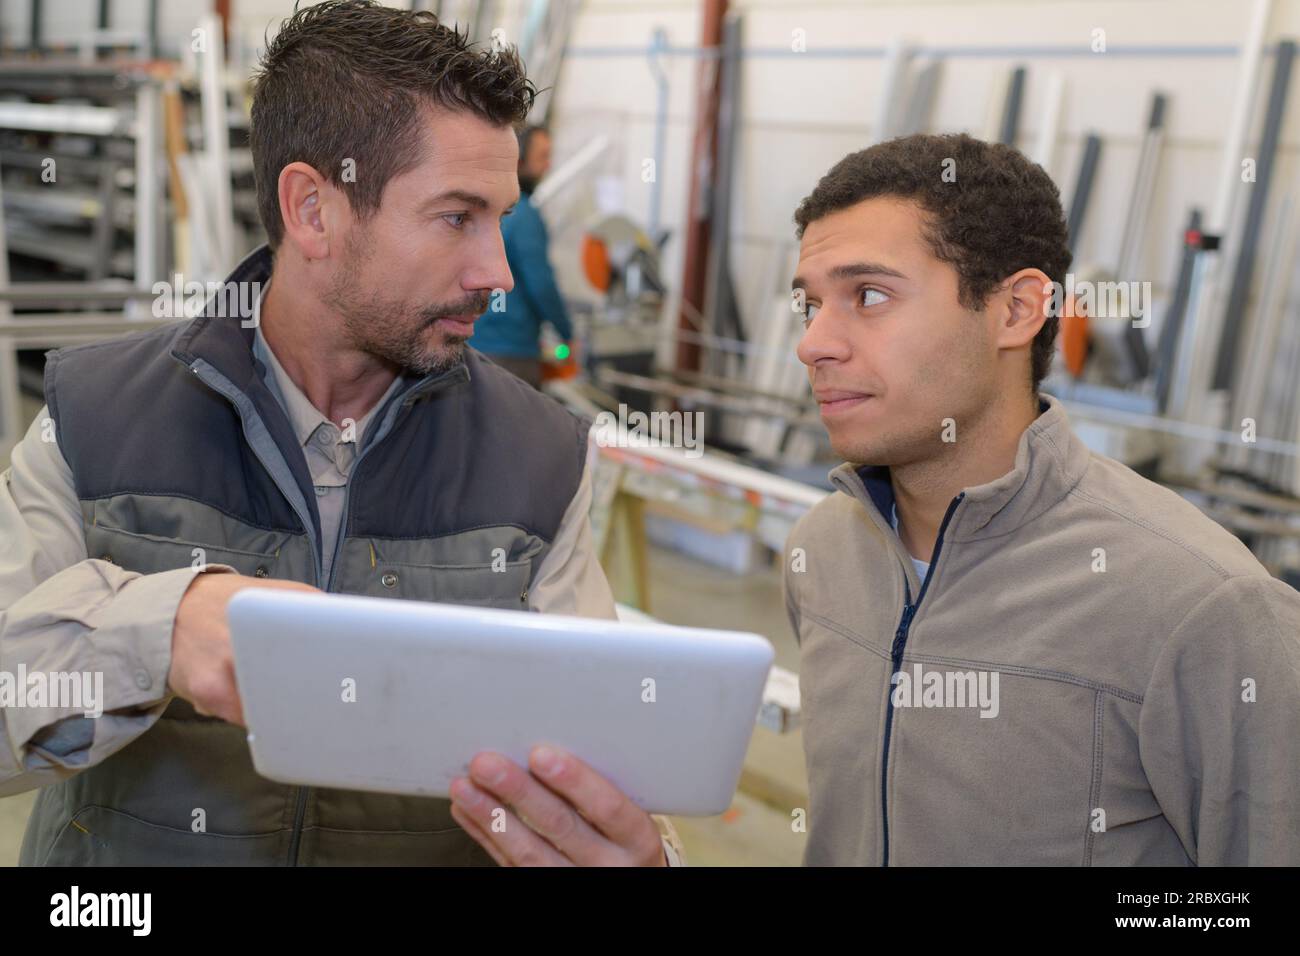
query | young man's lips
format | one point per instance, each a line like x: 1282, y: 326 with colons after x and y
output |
x: 830, y: 402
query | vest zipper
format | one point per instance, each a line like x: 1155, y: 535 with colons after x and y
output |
x: 223, y: 385
x: 220, y: 383
x: 300, y: 810
x: 896, y: 659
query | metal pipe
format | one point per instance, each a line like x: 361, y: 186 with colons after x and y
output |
x: 1235, y: 314
x: 661, y: 127
x: 216, y: 146
x: 898, y: 57
x: 1011, y: 108
x: 1171, y: 328
x: 148, y: 184
x: 1049, y: 126
x: 1204, y: 321
x: 27, y: 294
x: 1083, y: 188
x: 152, y: 29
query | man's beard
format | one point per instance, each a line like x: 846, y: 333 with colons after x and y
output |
x: 391, y: 330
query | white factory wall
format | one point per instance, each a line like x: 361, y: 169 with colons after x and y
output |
x: 801, y: 113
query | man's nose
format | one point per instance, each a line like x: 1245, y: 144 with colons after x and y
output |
x: 491, y: 270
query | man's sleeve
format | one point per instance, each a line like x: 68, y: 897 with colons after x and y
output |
x: 1218, y: 733
x: 532, y: 266
x: 62, y: 613
x: 571, y: 580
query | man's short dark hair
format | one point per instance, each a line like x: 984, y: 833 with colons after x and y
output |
x: 993, y: 215
x: 347, y: 79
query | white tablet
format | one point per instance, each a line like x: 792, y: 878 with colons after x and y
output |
x: 396, y: 696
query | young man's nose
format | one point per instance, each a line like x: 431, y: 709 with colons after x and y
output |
x: 823, y: 341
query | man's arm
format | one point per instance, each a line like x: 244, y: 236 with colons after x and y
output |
x: 1218, y: 729
x: 571, y: 580
x: 531, y: 265
x: 61, y: 612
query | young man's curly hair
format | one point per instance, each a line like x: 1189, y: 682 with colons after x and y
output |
x: 999, y: 213
x: 347, y: 79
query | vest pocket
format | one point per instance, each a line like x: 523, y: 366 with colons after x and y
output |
x: 503, y: 586
x: 150, y: 554
x: 488, y: 567
x: 100, y: 836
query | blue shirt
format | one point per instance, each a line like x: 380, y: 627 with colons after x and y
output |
x: 515, y: 331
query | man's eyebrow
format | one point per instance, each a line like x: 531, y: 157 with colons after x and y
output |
x: 458, y: 195
x: 852, y: 270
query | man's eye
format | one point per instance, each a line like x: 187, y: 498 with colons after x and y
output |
x: 809, y: 313
x: 873, y: 297
x: 456, y: 219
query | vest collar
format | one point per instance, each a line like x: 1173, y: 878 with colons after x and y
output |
x: 223, y: 341
x: 1050, y: 460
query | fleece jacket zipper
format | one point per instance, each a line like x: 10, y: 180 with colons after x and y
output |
x: 896, y: 658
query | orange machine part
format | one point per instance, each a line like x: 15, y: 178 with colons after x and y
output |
x: 553, y: 369
x: 1074, y: 341
x: 595, y: 262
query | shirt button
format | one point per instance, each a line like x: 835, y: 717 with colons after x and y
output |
x: 322, y: 491
x: 143, y: 680
x: 324, y: 437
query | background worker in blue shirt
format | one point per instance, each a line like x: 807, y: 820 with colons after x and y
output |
x: 511, y: 336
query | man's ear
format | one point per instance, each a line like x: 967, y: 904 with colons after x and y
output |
x: 1028, y: 303
x: 306, y: 209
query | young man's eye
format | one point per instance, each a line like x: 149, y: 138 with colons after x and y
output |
x: 456, y: 219
x: 809, y: 313
x: 873, y: 297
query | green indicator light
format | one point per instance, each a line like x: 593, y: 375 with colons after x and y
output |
x: 561, y: 352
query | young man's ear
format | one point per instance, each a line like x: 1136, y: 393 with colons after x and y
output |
x: 1028, y: 304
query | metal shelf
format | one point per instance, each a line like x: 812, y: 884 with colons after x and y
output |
x: 73, y: 249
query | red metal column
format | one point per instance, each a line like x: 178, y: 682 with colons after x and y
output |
x: 704, y: 157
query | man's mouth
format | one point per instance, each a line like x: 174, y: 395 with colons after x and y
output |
x: 831, y: 401
x: 462, y: 325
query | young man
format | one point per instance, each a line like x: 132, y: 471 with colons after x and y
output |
x: 511, y: 336
x: 345, y: 441
x: 1014, y: 651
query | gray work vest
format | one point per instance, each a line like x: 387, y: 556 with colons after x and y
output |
x: 180, y: 452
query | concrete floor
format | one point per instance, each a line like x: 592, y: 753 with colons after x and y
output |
x: 757, y: 830
x: 754, y: 832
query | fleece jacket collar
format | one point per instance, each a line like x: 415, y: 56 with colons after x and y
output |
x: 1050, y: 460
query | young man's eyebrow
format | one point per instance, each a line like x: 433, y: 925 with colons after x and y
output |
x: 852, y: 270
